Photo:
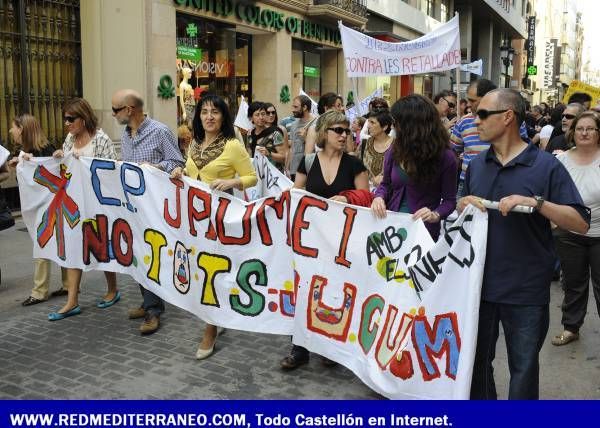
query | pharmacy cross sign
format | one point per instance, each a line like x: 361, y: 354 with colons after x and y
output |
x: 191, y: 30
x: 532, y: 70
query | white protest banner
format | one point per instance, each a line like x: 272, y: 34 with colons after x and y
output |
x: 366, y: 56
x: 271, y: 181
x: 241, y: 119
x: 4, y: 154
x: 407, y: 332
x: 363, y: 106
x: 314, y: 107
x: 475, y: 67
x: 345, y: 283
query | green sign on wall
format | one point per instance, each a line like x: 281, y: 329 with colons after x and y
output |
x: 189, y: 53
x: 311, y: 71
x: 532, y: 70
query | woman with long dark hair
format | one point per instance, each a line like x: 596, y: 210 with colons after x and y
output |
x: 215, y: 157
x: 419, y: 170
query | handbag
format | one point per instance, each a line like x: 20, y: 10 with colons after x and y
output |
x: 6, y: 218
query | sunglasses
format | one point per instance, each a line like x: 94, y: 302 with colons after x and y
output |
x: 70, y: 119
x: 568, y: 116
x: 483, y: 114
x: 271, y: 112
x: 116, y: 110
x: 340, y: 131
x: 450, y: 104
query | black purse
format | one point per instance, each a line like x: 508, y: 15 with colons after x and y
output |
x: 6, y: 218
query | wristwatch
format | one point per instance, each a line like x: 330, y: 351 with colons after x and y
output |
x: 539, y: 201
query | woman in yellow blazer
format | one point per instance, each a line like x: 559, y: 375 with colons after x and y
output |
x: 215, y: 157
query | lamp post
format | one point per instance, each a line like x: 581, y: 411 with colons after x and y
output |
x: 506, y: 54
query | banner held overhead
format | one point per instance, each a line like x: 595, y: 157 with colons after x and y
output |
x: 366, y: 56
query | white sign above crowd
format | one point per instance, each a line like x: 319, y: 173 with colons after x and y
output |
x: 438, y: 50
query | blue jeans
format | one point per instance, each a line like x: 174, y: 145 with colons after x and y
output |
x: 153, y: 305
x: 525, y: 329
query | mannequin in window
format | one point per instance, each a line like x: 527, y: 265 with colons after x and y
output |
x: 186, y: 96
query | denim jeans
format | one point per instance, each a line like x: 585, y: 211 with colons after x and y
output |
x: 525, y: 329
x: 153, y: 304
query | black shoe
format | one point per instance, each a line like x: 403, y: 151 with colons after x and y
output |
x: 31, y: 301
x: 59, y: 293
x: 292, y: 362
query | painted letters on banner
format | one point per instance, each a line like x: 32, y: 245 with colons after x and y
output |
x: 365, y: 56
x: 375, y: 295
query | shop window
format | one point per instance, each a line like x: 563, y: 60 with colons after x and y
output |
x: 307, y: 73
x: 211, y: 58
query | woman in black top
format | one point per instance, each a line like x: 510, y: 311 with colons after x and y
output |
x: 265, y: 138
x: 327, y: 174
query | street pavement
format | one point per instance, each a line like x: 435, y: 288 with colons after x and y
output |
x: 101, y: 355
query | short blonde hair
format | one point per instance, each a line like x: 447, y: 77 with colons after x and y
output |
x: 326, y: 120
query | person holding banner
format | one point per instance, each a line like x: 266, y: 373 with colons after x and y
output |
x: 580, y: 254
x: 419, y: 170
x: 148, y: 142
x: 26, y: 132
x: 327, y: 102
x: 216, y: 157
x: 85, y: 138
x: 520, y: 257
x: 331, y: 173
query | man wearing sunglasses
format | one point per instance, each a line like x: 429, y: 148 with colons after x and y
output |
x: 465, y: 139
x: 520, y: 255
x: 558, y: 143
x: 145, y: 141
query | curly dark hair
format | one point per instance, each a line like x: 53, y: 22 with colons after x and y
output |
x: 421, y: 138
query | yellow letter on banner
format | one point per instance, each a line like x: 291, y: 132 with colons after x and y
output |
x: 211, y: 264
x: 156, y: 240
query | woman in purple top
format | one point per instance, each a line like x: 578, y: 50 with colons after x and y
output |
x: 419, y: 172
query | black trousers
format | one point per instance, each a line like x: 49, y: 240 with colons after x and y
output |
x: 580, y: 259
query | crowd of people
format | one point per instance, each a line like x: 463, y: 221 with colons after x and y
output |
x: 423, y: 157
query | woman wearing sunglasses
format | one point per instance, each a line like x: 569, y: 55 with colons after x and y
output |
x: 272, y: 120
x: 85, y: 138
x: 27, y: 135
x: 445, y: 103
x: 265, y: 138
x: 580, y: 254
x: 329, y: 173
x: 218, y: 159
x: 419, y: 170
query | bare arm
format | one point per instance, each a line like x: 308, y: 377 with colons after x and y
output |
x: 310, y: 140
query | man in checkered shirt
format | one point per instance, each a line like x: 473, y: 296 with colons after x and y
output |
x: 148, y: 141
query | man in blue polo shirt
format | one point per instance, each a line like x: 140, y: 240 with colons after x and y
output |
x: 520, y: 251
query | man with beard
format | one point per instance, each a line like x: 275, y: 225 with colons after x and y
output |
x: 301, y: 110
x: 145, y: 141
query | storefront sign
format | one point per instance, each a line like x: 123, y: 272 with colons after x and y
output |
x: 549, y: 63
x: 530, y: 43
x: 165, y: 87
x: 189, y: 53
x: 366, y: 56
x: 311, y: 71
x: 252, y: 14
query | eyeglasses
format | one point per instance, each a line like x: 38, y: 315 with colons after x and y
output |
x: 568, y: 116
x: 117, y: 110
x: 483, y: 114
x: 450, y: 104
x: 70, y: 119
x: 340, y: 131
x: 271, y: 112
x: 585, y: 130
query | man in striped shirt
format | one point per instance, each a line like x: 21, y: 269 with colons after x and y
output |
x: 465, y: 136
x: 145, y: 141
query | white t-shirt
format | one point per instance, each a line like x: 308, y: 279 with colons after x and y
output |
x: 586, y: 178
x: 546, y: 131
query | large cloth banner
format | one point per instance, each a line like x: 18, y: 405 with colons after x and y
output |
x: 363, y: 106
x: 475, y: 67
x: 437, y: 50
x: 4, y: 154
x: 579, y: 86
x: 378, y: 296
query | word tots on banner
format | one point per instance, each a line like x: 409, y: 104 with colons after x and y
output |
x: 365, y: 56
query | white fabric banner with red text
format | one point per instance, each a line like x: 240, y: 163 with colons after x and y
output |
x: 331, y: 274
x: 437, y: 50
